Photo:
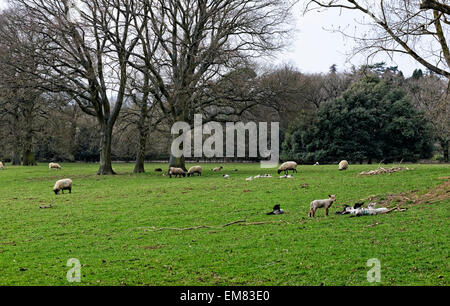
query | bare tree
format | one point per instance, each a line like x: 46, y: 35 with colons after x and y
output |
x: 186, y: 45
x: 23, y: 100
x: 429, y: 95
x: 412, y: 27
x: 88, y: 44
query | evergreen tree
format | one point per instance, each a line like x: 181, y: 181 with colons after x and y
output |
x: 372, y: 120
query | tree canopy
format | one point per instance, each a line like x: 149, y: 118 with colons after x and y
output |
x: 370, y: 121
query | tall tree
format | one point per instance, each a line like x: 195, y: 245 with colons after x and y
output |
x: 428, y: 93
x: 22, y: 97
x: 195, y: 42
x: 86, y: 56
x: 372, y: 120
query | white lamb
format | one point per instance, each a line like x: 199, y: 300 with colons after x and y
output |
x: 326, y: 203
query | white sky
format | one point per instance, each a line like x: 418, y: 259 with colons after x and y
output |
x: 313, y: 49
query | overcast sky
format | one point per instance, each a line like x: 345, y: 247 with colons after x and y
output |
x: 314, y: 49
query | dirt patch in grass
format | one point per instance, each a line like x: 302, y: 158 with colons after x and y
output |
x: 433, y: 195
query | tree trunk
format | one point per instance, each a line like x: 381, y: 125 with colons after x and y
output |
x: 444, y: 145
x: 16, y: 150
x: 105, y: 151
x: 28, y: 152
x: 140, y: 152
x: 177, y: 162
x: 73, y: 133
x: 15, y: 157
x: 143, y: 129
x: 16, y: 141
x: 28, y: 158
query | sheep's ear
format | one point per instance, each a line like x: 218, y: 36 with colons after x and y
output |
x: 329, y: 196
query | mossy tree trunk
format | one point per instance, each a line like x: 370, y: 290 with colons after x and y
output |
x: 177, y: 162
x: 105, y: 151
x: 140, y: 152
x: 143, y: 127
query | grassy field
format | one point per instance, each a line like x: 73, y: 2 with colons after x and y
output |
x: 125, y: 229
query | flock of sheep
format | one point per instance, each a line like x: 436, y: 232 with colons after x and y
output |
x: 66, y: 184
x: 285, y: 167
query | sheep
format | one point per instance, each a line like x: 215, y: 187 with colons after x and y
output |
x: 290, y: 165
x: 226, y: 176
x: 54, y: 166
x: 193, y: 170
x: 217, y: 169
x: 1, y: 166
x: 321, y: 203
x: 63, y: 185
x: 176, y: 171
x: 316, y: 164
x: 343, y: 165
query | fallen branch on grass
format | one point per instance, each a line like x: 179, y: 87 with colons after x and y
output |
x: 392, y: 209
x: 240, y: 222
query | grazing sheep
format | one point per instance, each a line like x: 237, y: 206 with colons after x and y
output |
x: 177, y: 172
x: 158, y: 170
x: 217, y: 169
x: 193, y: 170
x: 343, y: 165
x: 290, y: 165
x: 226, y: 176
x: 1, y: 166
x: 54, y: 166
x: 321, y: 203
x: 63, y: 185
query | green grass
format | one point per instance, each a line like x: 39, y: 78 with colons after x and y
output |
x: 108, y: 223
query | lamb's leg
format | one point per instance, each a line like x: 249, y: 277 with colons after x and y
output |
x: 70, y: 190
x: 326, y: 211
